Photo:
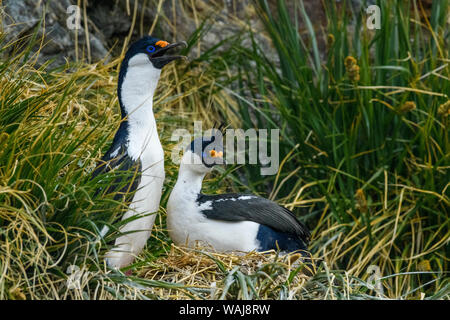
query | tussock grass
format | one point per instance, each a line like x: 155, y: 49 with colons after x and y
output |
x: 360, y: 127
x: 365, y: 150
x: 55, y: 125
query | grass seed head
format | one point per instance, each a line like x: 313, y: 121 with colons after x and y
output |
x: 444, y: 109
x: 352, y: 69
x: 408, y: 106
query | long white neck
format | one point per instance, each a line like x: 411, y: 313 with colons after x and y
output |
x: 189, y: 182
x: 190, y: 176
x: 137, y: 90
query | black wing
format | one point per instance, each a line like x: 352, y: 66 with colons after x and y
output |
x: 116, y: 159
x: 248, y: 207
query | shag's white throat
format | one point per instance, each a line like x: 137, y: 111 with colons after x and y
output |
x: 137, y: 92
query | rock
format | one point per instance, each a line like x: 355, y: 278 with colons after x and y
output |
x: 109, y: 22
x: 21, y: 18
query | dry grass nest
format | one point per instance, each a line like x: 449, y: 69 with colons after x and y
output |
x: 235, y: 275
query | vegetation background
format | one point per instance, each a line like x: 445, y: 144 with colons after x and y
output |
x: 363, y: 118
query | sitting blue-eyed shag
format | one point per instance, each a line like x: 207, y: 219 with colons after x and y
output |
x: 227, y: 222
x: 136, y: 145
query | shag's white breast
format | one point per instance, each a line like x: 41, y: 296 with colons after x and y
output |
x: 187, y: 225
x: 143, y: 145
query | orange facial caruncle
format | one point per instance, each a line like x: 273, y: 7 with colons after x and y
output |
x: 216, y: 154
x: 162, y: 43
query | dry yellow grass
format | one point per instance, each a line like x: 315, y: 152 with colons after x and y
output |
x: 55, y: 126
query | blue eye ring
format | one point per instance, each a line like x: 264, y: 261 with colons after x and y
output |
x: 151, y: 49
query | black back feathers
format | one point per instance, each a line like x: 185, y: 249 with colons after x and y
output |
x: 242, y: 207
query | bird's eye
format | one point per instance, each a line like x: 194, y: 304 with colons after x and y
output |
x: 150, y: 49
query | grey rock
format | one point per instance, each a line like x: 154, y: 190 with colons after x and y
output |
x: 20, y: 18
x: 109, y: 22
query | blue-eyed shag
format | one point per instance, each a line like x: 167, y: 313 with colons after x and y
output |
x: 227, y: 222
x: 136, y: 145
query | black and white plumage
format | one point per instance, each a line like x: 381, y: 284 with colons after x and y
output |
x: 117, y: 158
x: 227, y: 222
x: 136, y: 147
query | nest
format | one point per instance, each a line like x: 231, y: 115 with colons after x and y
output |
x: 213, y: 275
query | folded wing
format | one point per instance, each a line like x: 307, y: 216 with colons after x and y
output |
x: 247, y: 207
x: 127, y: 172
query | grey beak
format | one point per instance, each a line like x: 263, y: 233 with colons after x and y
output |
x: 159, y: 59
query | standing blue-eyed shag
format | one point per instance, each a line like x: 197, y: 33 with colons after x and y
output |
x: 227, y: 222
x: 136, y: 145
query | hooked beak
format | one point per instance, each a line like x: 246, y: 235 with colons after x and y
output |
x: 159, y: 59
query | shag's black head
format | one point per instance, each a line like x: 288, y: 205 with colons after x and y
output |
x: 209, y: 149
x: 155, y: 49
